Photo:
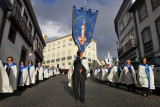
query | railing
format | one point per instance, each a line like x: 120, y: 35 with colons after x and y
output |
x: 131, y: 43
x: 69, y: 57
x: 22, y: 24
x: 53, y: 60
x: 64, y: 58
x: 57, y: 60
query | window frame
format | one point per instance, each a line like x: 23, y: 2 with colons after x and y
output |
x: 140, y: 20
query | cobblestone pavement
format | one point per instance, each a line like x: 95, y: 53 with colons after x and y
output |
x: 54, y: 92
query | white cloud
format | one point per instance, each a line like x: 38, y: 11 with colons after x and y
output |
x: 54, y: 29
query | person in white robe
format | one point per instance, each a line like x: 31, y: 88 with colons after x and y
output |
x: 31, y: 73
x: 22, y: 75
x: 55, y: 71
x: 39, y: 72
x: 95, y: 73
x: 45, y: 71
x: 115, y: 74
x: 107, y: 73
x: 146, y: 78
x: 51, y: 72
x: 5, y: 86
x: 12, y: 72
x: 128, y: 76
x: 104, y: 73
x: 98, y: 74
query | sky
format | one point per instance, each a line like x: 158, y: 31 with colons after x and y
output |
x: 55, y: 20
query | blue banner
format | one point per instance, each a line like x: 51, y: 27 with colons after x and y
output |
x: 83, y: 26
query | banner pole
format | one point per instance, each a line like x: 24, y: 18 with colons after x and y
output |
x: 85, y: 4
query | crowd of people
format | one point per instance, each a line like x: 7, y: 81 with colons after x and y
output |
x: 144, y: 78
x: 13, y: 77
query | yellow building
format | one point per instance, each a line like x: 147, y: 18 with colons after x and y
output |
x: 61, y: 52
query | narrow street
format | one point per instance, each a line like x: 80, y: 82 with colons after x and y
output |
x: 54, y: 92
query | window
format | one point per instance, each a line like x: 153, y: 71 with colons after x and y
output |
x: 63, y: 64
x: 18, y: 5
x: 155, y: 3
x: 155, y: 61
x: 53, y: 56
x: 25, y: 18
x: 49, y: 47
x: 58, y: 45
x: 93, y: 46
x: 125, y: 20
x: 89, y: 45
x: 69, y: 42
x: 63, y: 54
x: 30, y: 27
x: 64, y: 43
x: 146, y: 35
x: 158, y: 28
x: 12, y: 34
x: 69, y: 53
x: 58, y: 55
x: 53, y: 46
x: 142, y: 12
x: 147, y: 40
x: 93, y: 57
x: 48, y: 57
x: 69, y: 63
x: 89, y: 55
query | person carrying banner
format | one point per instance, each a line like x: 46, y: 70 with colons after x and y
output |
x: 80, y: 70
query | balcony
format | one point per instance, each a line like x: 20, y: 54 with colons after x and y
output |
x: 52, y: 60
x: 21, y: 26
x: 57, y: 60
x: 148, y: 48
x: 63, y: 59
x: 127, y: 48
x: 48, y: 61
x: 69, y: 57
x: 38, y: 53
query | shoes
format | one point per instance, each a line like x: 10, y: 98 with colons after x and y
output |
x: 82, y: 100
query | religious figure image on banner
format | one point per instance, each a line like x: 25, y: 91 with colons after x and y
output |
x: 82, y: 39
x: 83, y: 26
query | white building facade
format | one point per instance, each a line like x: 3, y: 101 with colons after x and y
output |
x: 61, y: 52
x: 20, y: 34
x: 147, y: 18
x: 126, y: 33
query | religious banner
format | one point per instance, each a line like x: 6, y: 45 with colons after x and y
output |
x: 83, y: 26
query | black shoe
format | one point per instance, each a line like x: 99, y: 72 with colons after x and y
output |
x: 82, y: 100
x: 76, y: 100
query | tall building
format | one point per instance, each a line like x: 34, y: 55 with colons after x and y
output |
x: 61, y: 52
x: 126, y: 32
x: 20, y: 34
x: 147, y: 18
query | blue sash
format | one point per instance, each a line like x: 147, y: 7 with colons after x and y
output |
x: 29, y: 67
x: 119, y: 71
x: 147, y: 73
x: 8, y: 69
x: 20, y: 73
